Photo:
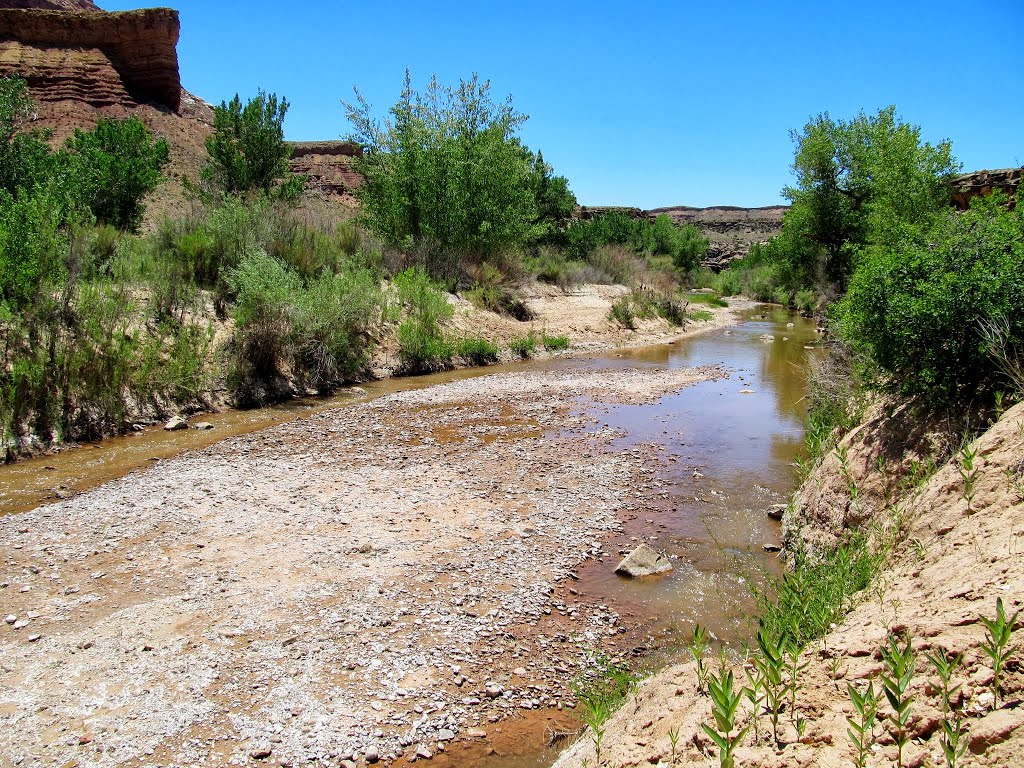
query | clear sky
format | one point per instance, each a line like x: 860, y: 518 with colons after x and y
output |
x: 637, y: 103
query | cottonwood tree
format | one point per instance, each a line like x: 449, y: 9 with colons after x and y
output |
x: 867, y: 181
x: 445, y: 172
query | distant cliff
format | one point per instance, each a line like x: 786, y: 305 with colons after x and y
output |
x: 730, y: 230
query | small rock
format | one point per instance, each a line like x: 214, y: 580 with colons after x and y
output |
x: 519, y: 671
x: 365, y: 549
x: 10, y: 619
x: 87, y: 738
x: 34, y: 638
x: 261, y: 754
x: 445, y: 734
x: 476, y: 733
x: 771, y: 548
x: 371, y: 755
x: 203, y: 425
x: 423, y: 752
x: 643, y: 561
x: 493, y: 691
x: 21, y: 623
x: 176, y: 423
x: 775, y: 511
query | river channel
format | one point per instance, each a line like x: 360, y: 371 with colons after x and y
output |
x: 724, y: 447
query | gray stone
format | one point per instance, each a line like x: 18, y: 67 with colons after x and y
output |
x: 175, y: 423
x: 643, y: 561
x: 204, y: 425
x: 775, y: 511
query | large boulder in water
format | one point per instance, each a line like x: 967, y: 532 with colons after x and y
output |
x: 643, y: 561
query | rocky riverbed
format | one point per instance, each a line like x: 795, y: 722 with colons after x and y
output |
x: 379, y: 582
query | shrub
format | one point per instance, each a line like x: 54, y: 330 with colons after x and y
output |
x: 524, y: 346
x: 448, y: 176
x: 916, y: 310
x: 421, y: 339
x: 113, y: 167
x: 554, y: 343
x: 476, y: 350
x: 623, y: 312
x: 247, y: 148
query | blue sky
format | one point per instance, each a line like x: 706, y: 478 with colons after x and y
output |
x: 642, y: 103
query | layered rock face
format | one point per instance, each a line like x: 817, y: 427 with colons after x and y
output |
x: 981, y: 183
x: 730, y: 231
x: 98, y: 58
x: 82, y: 63
x: 52, y: 5
x: 329, y: 166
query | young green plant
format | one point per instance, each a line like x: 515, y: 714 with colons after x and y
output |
x: 698, y: 649
x: 771, y: 665
x: 724, y: 703
x: 968, y: 473
x: 862, y: 727
x: 996, y: 645
x: 900, y: 665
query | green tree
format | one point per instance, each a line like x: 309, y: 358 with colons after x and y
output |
x: 24, y: 155
x: 113, y: 167
x: 447, y: 173
x: 917, y: 309
x: 867, y: 181
x: 247, y: 148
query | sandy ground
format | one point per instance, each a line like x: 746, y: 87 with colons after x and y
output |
x: 956, y: 561
x: 389, y: 579
x: 581, y: 314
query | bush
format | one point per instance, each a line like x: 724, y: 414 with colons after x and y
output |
x: 113, y: 167
x: 916, y: 309
x: 315, y: 333
x: 247, y: 148
x: 623, y: 312
x: 477, y: 350
x: 447, y: 175
x: 554, y: 343
x: 524, y: 346
x: 421, y: 339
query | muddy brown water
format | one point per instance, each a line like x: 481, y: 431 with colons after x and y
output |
x: 725, y: 452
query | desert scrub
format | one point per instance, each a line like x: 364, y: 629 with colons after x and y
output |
x: 476, y: 350
x: 699, y: 315
x: 554, y: 343
x: 524, y: 346
x: 422, y: 343
x: 317, y: 332
x: 623, y: 312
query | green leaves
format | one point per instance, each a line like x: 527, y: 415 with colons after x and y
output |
x: 861, y: 730
x: 900, y: 664
x: 112, y: 168
x: 247, y: 148
x: 724, y: 703
x: 996, y: 644
x: 446, y: 173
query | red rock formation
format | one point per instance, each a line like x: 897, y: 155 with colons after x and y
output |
x: 981, y: 183
x: 52, y: 5
x: 329, y: 166
x: 94, y: 57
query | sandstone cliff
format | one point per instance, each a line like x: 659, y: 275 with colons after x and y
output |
x: 329, y: 167
x: 82, y: 63
x: 979, y: 183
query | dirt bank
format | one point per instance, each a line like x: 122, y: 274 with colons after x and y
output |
x: 956, y: 561
x: 378, y: 580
